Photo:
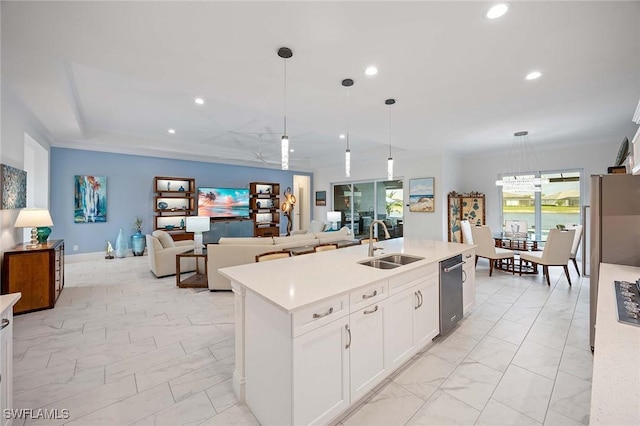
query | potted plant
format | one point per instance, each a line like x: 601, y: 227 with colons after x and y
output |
x: 138, y: 241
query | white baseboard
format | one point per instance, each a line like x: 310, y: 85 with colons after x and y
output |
x: 84, y: 257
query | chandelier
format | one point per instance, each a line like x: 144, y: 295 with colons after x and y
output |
x: 522, y: 156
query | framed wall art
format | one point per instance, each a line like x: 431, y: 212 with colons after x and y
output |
x: 321, y: 198
x: 469, y: 207
x: 13, y: 184
x: 421, y: 195
x: 90, y: 199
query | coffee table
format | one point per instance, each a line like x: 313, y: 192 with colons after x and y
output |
x: 196, y: 280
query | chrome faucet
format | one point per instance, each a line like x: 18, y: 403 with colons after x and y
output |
x: 386, y: 234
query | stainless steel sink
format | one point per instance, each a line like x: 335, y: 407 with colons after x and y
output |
x: 379, y: 264
x: 401, y: 259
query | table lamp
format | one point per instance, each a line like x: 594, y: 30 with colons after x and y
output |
x: 334, y: 218
x: 33, y: 218
x: 198, y: 225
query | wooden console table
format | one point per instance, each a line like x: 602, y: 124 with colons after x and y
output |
x: 197, y: 280
x: 38, y: 273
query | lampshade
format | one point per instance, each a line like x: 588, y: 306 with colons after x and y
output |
x: 32, y: 217
x: 334, y: 217
x: 198, y: 224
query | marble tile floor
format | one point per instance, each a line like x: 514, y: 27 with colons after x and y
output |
x: 123, y: 347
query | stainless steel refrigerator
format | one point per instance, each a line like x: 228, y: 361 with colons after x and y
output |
x: 615, y: 228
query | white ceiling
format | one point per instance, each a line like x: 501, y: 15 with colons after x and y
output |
x: 114, y: 76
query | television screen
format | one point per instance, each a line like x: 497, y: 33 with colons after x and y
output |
x: 223, y: 202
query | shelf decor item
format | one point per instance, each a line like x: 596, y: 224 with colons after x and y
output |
x: 162, y: 205
x: 108, y: 250
x: 138, y: 241
x: 121, y: 245
x: 43, y: 234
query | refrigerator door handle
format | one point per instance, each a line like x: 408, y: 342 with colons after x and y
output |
x: 584, y: 240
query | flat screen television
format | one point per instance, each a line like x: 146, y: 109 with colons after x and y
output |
x: 223, y: 202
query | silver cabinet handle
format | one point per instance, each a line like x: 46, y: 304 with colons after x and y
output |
x: 467, y: 256
x: 346, y: 327
x: 329, y: 312
x: 371, y: 311
x: 369, y: 296
x: 5, y: 322
x: 421, y: 298
x: 418, y: 298
x: 464, y: 276
x: 456, y: 266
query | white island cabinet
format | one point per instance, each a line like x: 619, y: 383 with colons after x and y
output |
x: 7, y: 302
x: 316, y: 333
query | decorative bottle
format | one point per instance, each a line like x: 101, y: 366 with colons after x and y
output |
x: 121, y: 245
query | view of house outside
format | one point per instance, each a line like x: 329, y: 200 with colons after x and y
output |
x: 559, y: 204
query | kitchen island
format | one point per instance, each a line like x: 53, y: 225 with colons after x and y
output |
x: 315, y: 333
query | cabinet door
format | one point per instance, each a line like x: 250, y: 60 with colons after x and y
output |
x: 321, y: 373
x: 427, y: 315
x: 6, y: 368
x: 367, y: 349
x: 399, y: 328
x: 468, y: 280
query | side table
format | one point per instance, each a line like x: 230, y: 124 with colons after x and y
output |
x: 197, y: 280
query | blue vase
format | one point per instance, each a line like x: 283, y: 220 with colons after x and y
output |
x: 121, y: 245
x: 43, y: 234
x: 138, y: 243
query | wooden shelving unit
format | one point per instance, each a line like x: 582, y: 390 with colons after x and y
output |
x: 174, y: 201
x: 265, y: 208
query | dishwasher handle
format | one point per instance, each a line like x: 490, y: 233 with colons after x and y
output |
x: 451, y: 268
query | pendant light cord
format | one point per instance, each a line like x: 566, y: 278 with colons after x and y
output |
x: 285, y: 97
x: 348, y: 117
x: 389, y: 131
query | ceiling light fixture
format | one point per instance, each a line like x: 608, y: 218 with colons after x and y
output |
x: 199, y: 101
x: 497, y: 10
x: 390, y: 159
x: 342, y: 136
x: 533, y: 75
x: 347, y: 82
x: 524, y: 158
x: 171, y: 131
x: 371, y: 70
x: 285, y: 53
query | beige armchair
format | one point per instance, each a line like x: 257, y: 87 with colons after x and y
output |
x: 486, y: 247
x: 162, y: 250
x: 557, y: 251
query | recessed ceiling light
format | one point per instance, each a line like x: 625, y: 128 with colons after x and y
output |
x: 342, y: 136
x: 291, y: 150
x: 497, y: 10
x: 171, y: 131
x: 199, y: 101
x: 371, y: 70
x: 533, y: 75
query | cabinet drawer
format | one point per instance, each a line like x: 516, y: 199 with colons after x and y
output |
x: 365, y: 296
x: 319, y: 314
x: 411, y: 278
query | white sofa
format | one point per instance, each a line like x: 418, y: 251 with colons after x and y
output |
x: 240, y: 251
x: 162, y: 250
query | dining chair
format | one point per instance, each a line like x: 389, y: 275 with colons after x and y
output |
x: 366, y: 240
x: 467, y: 238
x: 325, y: 247
x: 576, y: 244
x: 486, y: 247
x: 516, y: 228
x: 272, y: 255
x: 556, y: 252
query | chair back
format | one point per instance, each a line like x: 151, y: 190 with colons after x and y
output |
x: 467, y: 238
x: 325, y: 247
x: 272, y: 255
x: 366, y: 240
x: 516, y: 228
x: 485, y: 244
x: 557, y: 249
x: 576, y: 239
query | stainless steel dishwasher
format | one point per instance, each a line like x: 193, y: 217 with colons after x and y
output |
x: 450, y: 293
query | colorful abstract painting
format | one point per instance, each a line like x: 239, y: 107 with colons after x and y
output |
x: 90, y: 199
x: 13, y: 183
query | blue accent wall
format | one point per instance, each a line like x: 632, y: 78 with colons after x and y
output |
x: 130, y: 190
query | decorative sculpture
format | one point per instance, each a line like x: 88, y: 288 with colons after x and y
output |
x: 108, y: 250
x: 287, y: 207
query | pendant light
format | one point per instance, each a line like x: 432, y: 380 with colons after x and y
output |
x: 390, y: 159
x: 285, y: 53
x: 523, y: 159
x: 347, y: 82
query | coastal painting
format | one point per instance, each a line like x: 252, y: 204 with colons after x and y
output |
x: 13, y: 183
x: 90, y: 199
x: 421, y: 195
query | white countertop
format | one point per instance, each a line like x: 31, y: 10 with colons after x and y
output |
x: 300, y: 281
x: 615, y: 391
x: 8, y: 300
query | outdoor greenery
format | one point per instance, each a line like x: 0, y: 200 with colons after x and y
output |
x: 545, y: 209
